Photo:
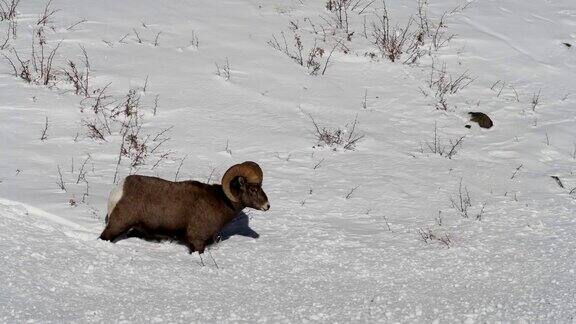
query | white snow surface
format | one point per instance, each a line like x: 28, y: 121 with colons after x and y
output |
x: 342, y: 241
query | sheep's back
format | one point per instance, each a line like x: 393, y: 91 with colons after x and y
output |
x: 163, y: 204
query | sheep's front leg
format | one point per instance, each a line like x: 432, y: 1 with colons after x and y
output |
x: 194, y: 244
x: 199, y: 246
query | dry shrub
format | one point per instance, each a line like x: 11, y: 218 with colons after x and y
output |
x: 39, y: 67
x: 443, y: 84
x: 8, y: 9
x: 447, y: 149
x: 79, y: 77
x: 345, y: 138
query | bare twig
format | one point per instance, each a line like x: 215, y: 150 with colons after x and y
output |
x: 515, y: 94
x: 8, y: 9
x: 453, y: 146
x: 44, y: 132
x: 209, y: 178
x: 145, y: 84
x: 558, y: 181
x: 179, y: 167
x: 86, y: 191
x: 137, y: 36
x: 462, y: 203
x: 80, y: 80
x: 386, y: 222
x: 161, y: 133
x: 122, y: 40
x: 163, y: 157
x: 223, y: 71
x: 535, y: 100
x: 349, y: 195
x: 4, y: 45
x: 317, y: 165
x: 194, y: 42
x: 156, y: 39
x: 93, y: 131
x: 76, y: 24
x: 47, y: 14
x: 82, y: 172
x: 227, y: 148
x: 428, y: 237
x: 516, y: 171
x: 119, y: 160
x: 495, y: 84
x: 329, y: 56
x: 216, y: 264
x: 481, y: 212
x: 156, y: 100
x: 60, y: 182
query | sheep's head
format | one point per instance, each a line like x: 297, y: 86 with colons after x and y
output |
x: 242, y: 183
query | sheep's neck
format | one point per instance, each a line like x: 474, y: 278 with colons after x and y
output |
x: 232, y: 210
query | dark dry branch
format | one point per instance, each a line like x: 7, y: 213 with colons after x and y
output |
x: 462, y: 202
x: 60, y: 182
x: 8, y: 9
x: 44, y: 135
x: 79, y: 78
x: 329, y: 56
x: 558, y: 181
x: 82, y: 172
x: 535, y: 100
x: 428, y: 237
x: 156, y: 101
x: 194, y: 42
x: 224, y: 70
x: 156, y: 39
x: 76, y: 24
x: 180, y: 167
x: 349, y: 195
x: 516, y: 171
x: 46, y: 14
x: 137, y: 36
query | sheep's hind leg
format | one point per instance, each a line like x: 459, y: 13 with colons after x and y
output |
x: 195, y: 245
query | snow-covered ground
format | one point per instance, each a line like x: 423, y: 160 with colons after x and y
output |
x: 369, y: 234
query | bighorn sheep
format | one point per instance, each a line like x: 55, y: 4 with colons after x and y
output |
x: 190, y: 210
x: 481, y: 118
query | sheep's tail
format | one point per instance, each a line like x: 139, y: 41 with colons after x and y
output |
x: 115, y: 196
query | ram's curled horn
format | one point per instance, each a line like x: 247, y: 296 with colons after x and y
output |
x: 251, y: 171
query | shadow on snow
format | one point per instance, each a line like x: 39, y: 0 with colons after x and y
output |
x: 238, y: 226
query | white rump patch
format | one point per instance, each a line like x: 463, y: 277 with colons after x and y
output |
x: 115, y: 196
